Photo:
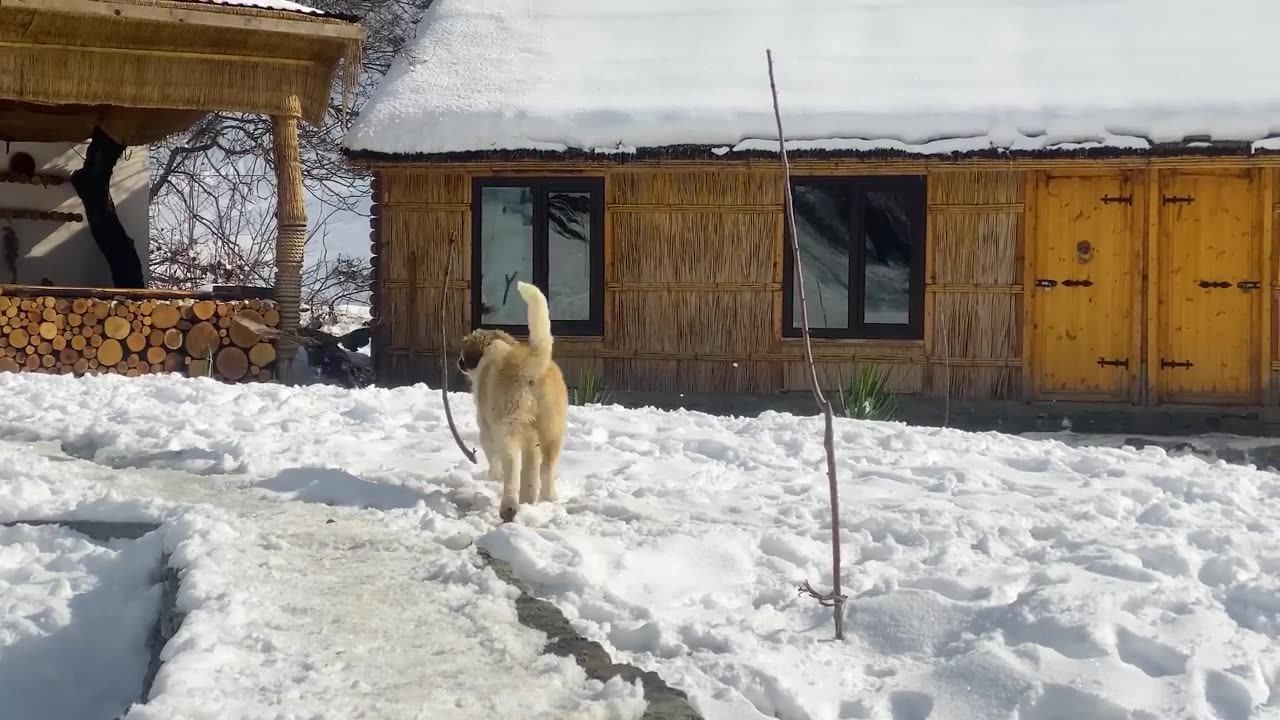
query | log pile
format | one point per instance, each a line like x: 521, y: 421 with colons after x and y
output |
x: 66, y: 335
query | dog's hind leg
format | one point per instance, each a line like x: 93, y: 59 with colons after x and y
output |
x: 531, y: 463
x: 490, y: 453
x: 550, y: 453
x: 510, y: 457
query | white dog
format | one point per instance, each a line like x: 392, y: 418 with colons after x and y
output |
x: 521, y: 404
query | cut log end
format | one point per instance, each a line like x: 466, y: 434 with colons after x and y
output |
x: 116, y: 327
x: 202, y: 340
x: 136, y: 342
x: 232, y: 363
x: 110, y: 352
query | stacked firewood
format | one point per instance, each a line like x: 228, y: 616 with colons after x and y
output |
x: 136, y: 337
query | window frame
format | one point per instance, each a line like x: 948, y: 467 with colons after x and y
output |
x: 540, y: 186
x: 916, y: 188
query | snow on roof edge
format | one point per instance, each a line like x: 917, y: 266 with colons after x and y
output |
x: 854, y: 149
x: 286, y: 6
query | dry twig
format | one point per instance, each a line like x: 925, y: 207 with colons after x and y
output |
x: 444, y: 343
x: 834, y: 598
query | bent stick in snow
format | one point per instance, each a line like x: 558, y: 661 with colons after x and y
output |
x: 834, y: 598
x: 444, y: 354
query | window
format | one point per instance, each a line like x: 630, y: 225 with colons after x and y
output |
x: 862, y: 245
x: 547, y: 231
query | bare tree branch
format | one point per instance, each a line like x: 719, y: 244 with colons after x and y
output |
x: 834, y: 598
x: 444, y: 355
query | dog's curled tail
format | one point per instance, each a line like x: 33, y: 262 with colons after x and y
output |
x: 540, y: 339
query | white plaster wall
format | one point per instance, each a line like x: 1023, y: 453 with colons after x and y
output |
x: 64, y: 252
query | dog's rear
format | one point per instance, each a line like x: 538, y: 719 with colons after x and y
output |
x: 521, y: 404
x: 552, y: 397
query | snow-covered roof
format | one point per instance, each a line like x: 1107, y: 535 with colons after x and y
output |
x: 913, y: 75
x: 277, y: 5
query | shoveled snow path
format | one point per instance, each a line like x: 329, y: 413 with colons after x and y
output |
x: 339, y: 613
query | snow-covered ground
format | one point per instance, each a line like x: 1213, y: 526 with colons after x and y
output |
x: 990, y: 576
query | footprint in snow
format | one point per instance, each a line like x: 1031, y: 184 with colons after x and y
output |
x: 1151, y: 657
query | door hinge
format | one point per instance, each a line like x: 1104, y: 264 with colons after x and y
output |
x: 1122, y: 362
x: 1214, y: 284
x: 1171, y: 199
x: 1249, y: 285
x: 1126, y: 199
x: 1077, y: 283
x: 1045, y: 282
x: 1176, y: 363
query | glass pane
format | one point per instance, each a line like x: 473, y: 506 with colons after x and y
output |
x: 887, y: 229
x: 569, y: 255
x: 506, y: 253
x: 822, y: 226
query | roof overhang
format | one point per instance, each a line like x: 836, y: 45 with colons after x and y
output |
x: 131, y: 56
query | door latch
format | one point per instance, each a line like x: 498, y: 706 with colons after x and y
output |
x: 1249, y: 285
x: 1045, y: 282
x: 1077, y: 283
x: 1214, y: 284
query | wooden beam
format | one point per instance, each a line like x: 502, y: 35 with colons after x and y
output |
x: 291, y: 237
x: 315, y: 27
x: 176, y: 54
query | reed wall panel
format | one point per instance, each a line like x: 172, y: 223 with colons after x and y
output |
x: 975, y: 187
x: 575, y: 368
x: 410, y: 368
x: 567, y: 346
x: 701, y: 376
x: 694, y: 247
x: 974, y: 383
x: 695, y: 187
x: 427, y: 187
x: 627, y: 374
x: 975, y: 248
x: 977, y: 325
x: 399, y: 369
x: 907, y: 378
x: 422, y: 236
x: 692, y: 322
x: 747, y: 376
x: 824, y: 349
x: 413, y: 318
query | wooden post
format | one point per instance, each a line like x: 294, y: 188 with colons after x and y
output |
x: 291, y: 236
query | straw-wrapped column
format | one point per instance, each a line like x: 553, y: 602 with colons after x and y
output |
x: 291, y: 235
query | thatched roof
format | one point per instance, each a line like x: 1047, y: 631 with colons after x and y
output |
x: 143, y: 69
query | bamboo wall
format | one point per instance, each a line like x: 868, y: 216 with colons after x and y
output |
x: 693, y: 281
x: 688, y: 243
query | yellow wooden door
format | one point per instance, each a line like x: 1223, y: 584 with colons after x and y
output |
x: 1211, y: 287
x: 1085, y: 253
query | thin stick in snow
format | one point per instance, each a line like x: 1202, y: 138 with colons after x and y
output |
x: 444, y: 354
x: 834, y: 598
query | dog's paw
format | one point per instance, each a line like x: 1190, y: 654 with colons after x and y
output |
x: 507, y: 511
